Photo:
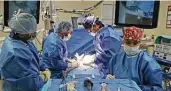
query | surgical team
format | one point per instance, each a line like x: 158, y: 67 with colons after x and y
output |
x: 22, y: 69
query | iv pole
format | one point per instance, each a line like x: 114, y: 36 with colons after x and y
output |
x: 51, y: 13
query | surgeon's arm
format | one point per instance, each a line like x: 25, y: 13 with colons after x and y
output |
x: 152, y: 76
x: 110, y: 47
x: 109, y: 72
x: 57, y: 59
x: 42, y: 65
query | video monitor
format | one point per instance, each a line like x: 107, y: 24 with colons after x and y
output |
x: 142, y: 14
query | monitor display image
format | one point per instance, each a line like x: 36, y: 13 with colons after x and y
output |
x: 10, y: 7
x: 142, y: 14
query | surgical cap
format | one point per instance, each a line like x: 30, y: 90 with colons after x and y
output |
x: 88, y: 22
x: 132, y: 33
x: 23, y: 23
x: 63, y: 26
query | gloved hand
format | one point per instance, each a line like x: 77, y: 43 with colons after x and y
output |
x: 47, y: 74
x: 74, y: 64
x: 94, y: 66
x: 70, y: 60
x: 109, y: 76
x: 71, y: 86
x: 77, y: 55
x: 88, y: 59
x: 42, y: 76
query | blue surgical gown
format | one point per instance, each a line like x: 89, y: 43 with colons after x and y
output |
x: 107, y: 43
x: 51, y: 31
x: 19, y: 63
x: 142, y: 68
x: 54, y: 54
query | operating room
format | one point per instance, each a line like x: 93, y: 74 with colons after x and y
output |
x: 85, y: 45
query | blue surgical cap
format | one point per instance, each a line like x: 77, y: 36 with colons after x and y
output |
x: 88, y: 22
x: 23, y: 23
x: 63, y: 26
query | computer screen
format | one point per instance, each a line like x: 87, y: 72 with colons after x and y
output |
x: 143, y: 14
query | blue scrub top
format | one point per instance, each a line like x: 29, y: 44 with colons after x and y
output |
x: 19, y: 63
x: 54, y: 54
x: 142, y: 68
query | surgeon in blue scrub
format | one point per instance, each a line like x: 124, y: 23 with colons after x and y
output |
x: 54, y: 55
x: 135, y: 64
x: 107, y: 41
x: 19, y: 61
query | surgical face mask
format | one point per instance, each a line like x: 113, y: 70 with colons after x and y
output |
x: 80, y: 26
x: 92, y: 34
x: 131, y: 51
x: 66, y: 38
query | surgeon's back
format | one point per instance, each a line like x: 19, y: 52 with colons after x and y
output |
x: 107, y: 43
x: 19, y: 66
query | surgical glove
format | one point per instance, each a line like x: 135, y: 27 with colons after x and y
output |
x: 47, y: 74
x: 94, y: 66
x: 88, y: 59
x: 42, y: 76
x: 77, y: 55
x: 109, y: 76
x: 74, y: 64
x: 71, y: 86
x: 70, y: 60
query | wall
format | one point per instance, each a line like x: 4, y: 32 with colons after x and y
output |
x: 1, y: 13
x: 161, y: 29
x: 77, y: 5
x: 67, y: 5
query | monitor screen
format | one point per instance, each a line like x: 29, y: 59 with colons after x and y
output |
x: 31, y: 7
x: 143, y: 14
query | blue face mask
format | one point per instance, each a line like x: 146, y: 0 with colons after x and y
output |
x: 131, y: 51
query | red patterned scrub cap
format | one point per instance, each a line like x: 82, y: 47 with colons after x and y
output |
x: 132, y: 33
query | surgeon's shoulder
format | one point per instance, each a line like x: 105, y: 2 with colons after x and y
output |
x: 146, y: 56
x: 148, y: 59
x: 12, y: 48
x: 50, y: 36
x: 113, y: 33
x: 120, y: 54
x: 51, y: 39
